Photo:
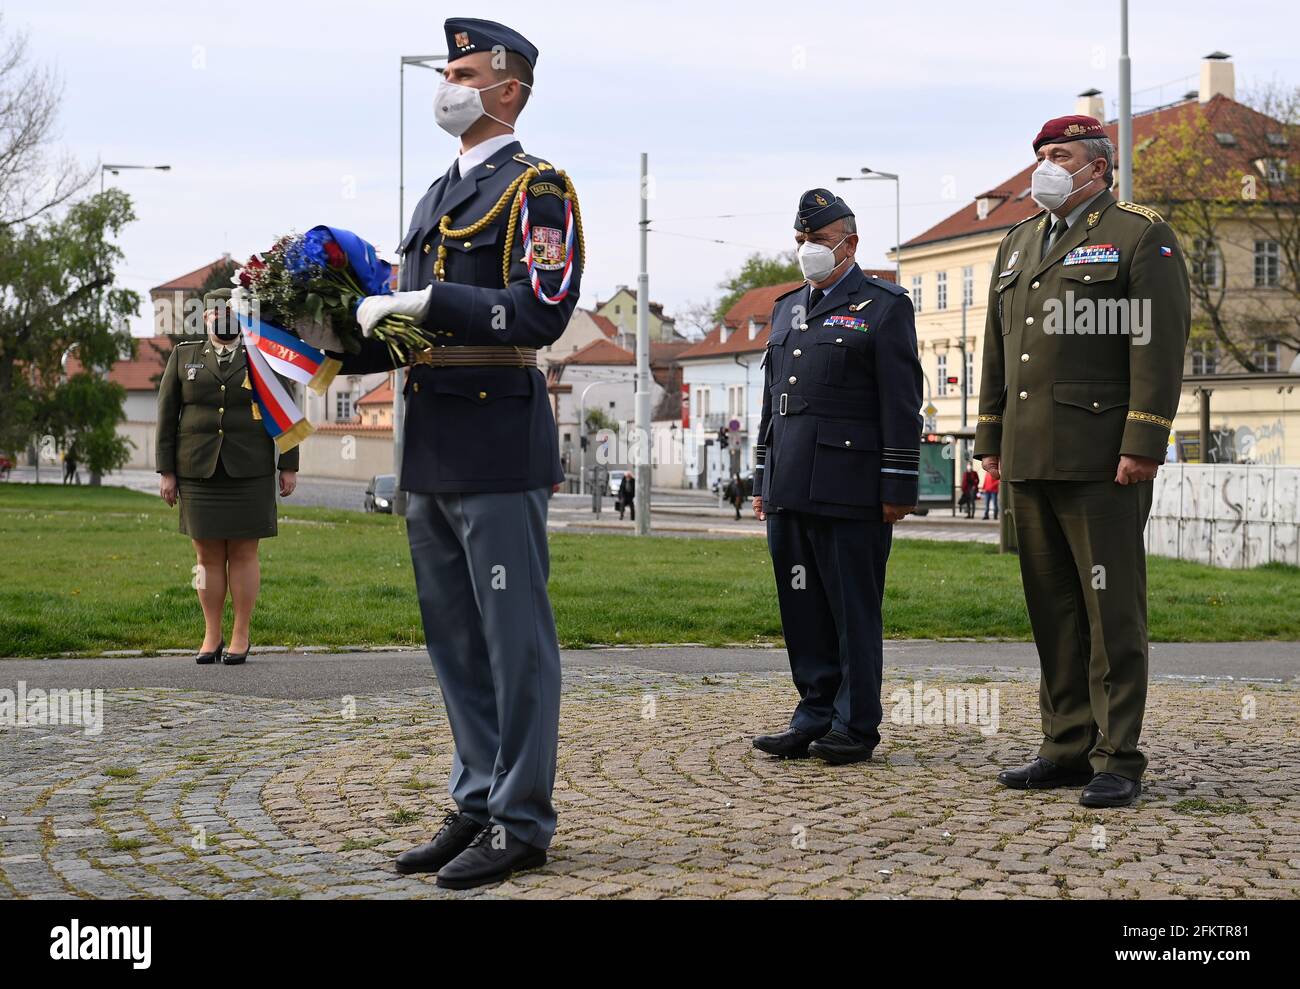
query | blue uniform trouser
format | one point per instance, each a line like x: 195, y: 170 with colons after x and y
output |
x: 830, y: 582
x: 481, y: 565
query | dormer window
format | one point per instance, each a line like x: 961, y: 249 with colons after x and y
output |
x: 982, y: 207
x: 753, y: 328
x: 724, y: 331
x: 1273, y: 170
x: 1225, y: 138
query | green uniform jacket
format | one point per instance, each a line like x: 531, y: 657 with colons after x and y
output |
x: 205, y: 412
x: 1060, y: 400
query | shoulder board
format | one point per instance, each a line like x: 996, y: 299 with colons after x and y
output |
x: 541, y: 164
x: 888, y: 286
x: 799, y: 287
x: 1029, y: 219
x: 182, y: 343
x: 1150, y: 214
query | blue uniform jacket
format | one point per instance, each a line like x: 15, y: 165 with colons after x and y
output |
x: 841, y: 426
x: 472, y: 429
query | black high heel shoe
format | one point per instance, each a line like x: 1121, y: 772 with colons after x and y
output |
x: 205, y: 658
x: 234, y: 658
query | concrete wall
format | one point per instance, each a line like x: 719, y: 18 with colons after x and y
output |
x: 1226, y: 515
x: 338, y: 452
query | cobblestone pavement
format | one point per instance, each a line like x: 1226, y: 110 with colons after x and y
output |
x: 188, y: 794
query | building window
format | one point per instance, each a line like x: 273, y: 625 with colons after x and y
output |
x: 1206, y: 266
x: 916, y: 293
x: 970, y: 369
x: 1269, y: 358
x: 941, y: 290
x: 343, y: 405
x: 1267, y: 263
x: 942, y: 374
x: 736, y: 401
x: 968, y: 286
x: 1205, y: 359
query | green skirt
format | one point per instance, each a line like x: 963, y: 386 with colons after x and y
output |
x: 225, y: 507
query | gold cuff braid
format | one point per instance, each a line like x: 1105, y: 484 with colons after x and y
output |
x: 1155, y: 420
x: 990, y: 419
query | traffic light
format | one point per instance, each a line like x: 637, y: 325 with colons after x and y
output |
x: 722, y: 436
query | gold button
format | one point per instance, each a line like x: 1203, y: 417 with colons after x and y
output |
x: 1096, y: 405
x: 1029, y: 320
x: 223, y: 387
x: 793, y: 379
x: 1087, y: 278
x: 803, y: 326
x: 1024, y: 358
x: 848, y: 442
x: 427, y: 248
x: 1024, y: 395
x: 415, y: 386
x: 482, y: 394
x: 839, y: 339
x: 221, y: 411
x: 798, y: 353
x: 469, y: 244
x: 1034, y: 285
x: 221, y: 432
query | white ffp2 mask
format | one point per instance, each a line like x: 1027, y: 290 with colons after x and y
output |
x: 817, y: 261
x: 1051, y: 185
x: 457, y: 108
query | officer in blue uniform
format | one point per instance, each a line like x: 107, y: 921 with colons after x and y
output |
x: 490, y: 269
x: 837, y: 465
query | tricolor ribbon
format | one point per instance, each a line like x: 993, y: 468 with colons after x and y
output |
x: 272, y: 351
x: 526, y: 231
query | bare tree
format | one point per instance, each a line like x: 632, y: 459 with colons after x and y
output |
x: 33, y: 177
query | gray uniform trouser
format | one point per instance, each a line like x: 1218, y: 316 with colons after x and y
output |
x: 481, y: 565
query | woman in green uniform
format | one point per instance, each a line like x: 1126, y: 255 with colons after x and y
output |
x: 216, y: 457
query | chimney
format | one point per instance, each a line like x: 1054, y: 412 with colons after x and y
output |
x: 1090, y: 104
x: 1217, y: 77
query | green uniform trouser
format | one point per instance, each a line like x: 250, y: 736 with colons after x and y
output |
x: 1083, y: 562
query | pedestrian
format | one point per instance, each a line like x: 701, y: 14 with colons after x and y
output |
x: 970, y: 485
x: 990, y: 489
x: 627, y: 495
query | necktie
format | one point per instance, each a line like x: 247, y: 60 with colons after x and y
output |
x: 1055, y: 234
x: 815, y: 297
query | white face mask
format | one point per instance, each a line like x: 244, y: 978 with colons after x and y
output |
x: 457, y: 108
x: 1051, y: 185
x: 817, y: 261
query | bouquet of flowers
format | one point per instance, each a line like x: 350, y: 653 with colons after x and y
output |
x: 321, y: 277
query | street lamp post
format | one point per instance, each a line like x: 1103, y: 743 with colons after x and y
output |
x: 399, y: 374
x: 870, y: 175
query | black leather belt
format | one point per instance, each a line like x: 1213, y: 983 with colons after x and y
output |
x: 832, y: 408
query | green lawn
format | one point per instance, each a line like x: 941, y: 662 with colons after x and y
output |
x: 96, y: 569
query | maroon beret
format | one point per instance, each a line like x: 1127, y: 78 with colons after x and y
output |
x: 1072, y: 128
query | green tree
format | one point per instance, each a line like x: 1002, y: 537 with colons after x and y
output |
x: 57, y: 302
x: 758, y: 271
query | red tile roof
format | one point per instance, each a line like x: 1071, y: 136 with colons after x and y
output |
x: 193, y: 281
x: 1011, y: 202
x: 605, y: 325
x: 137, y: 374
x: 381, y: 394
x: 600, y: 352
x: 756, y: 304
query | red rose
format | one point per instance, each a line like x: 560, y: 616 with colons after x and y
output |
x: 334, y: 255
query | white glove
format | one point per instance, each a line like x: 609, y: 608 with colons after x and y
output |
x: 376, y: 308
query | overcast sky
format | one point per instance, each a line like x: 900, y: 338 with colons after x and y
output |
x: 281, y: 115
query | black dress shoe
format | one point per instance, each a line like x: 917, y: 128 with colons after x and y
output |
x: 1043, y: 774
x: 453, y: 838
x: 1109, y: 790
x: 789, y: 744
x: 493, y: 856
x: 840, y: 749
x: 234, y: 658
x: 204, y: 658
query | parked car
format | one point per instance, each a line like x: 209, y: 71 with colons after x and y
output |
x: 380, y: 493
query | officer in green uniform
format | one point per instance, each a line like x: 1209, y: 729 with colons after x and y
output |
x: 1088, y: 318
x: 216, y: 458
